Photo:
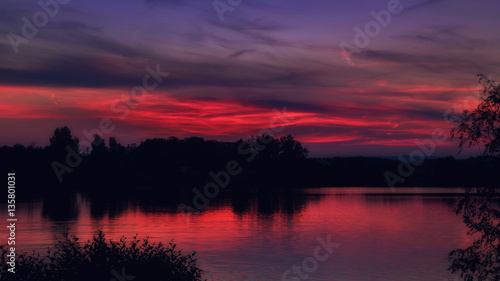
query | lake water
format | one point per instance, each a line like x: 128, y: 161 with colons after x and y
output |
x: 382, y: 235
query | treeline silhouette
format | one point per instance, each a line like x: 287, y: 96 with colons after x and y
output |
x: 175, y: 166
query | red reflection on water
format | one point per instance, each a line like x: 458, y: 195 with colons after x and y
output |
x: 375, y: 232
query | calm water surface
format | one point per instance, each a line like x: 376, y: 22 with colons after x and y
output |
x: 405, y: 235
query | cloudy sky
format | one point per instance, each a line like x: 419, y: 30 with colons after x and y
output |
x: 234, y: 66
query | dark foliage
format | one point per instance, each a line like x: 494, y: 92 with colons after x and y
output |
x: 175, y: 166
x: 104, y: 260
x: 481, y: 126
x: 480, y: 209
x: 481, y: 214
x: 172, y: 165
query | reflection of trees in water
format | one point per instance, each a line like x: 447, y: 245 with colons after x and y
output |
x: 65, y: 208
x: 271, y: 202
x: 60, y: 208
x: 480, y: 211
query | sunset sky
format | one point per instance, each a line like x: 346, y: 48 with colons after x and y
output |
x: 229, y: 78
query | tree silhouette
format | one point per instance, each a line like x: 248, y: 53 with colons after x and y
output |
x: 115, y: 146
x: 98, y: 145
x: 481, y: 214
x: 61, y: 141
x: 62, y: 137
x: 291, y: 149
x: 480, y: 210
x: 481, y: 125
x: 174, y: 165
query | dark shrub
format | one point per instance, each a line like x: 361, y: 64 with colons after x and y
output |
x: 105, y: 260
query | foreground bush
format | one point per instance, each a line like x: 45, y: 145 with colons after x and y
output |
x: 105, y: 260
